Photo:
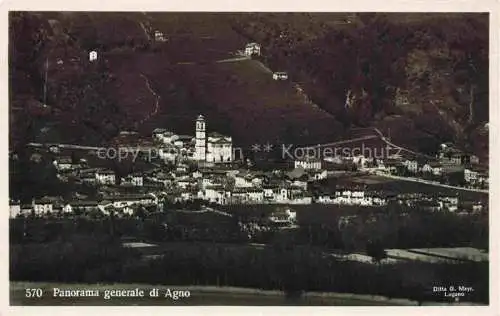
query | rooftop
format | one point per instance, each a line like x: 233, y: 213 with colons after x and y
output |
x: 159, y: 130
x: 217, y: 135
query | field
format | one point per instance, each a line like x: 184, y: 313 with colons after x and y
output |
x: 199, y: 296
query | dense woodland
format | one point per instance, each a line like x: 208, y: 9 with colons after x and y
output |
x: 426, y: 75
x: 280, y: 265
x: 215, y: 251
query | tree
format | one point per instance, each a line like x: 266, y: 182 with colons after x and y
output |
x: 375, y: 250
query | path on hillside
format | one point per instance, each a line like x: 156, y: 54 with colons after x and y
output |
x: 263, y: 67
x: 300, y: 91
x: 384, y: 139
x: 430, y: 183
x: 157, y: 101
x: 234, y: 59
x: 219, y: 61
x: 145, y: 31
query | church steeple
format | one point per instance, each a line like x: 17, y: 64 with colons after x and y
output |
x: 200, y: 143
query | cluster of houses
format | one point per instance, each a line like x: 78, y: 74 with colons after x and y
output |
x: 207, y: 149
x: 201, y: 168
x: 120, y: 204
x: 448, y: 161
x: 354, y: 197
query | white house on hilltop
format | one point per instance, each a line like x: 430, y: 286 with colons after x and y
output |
x: 92, y: 56
x: 280, y: 75
x: 252, y: 49
x: 159, y: 36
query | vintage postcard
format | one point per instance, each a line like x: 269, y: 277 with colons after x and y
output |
x: 250, y: 157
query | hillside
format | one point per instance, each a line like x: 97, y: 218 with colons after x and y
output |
x: 423, y: 79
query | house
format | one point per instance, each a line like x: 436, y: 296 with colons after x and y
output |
x: 411, y: 165
x: 159, y: 36
x: 470, y: 176
x: 283, y: 216
x: 483, y: 178
x: 325, y: 199
x: 247, y: 195
x: 15, y: 209
x: 351, y: 197
x: 92, y: 56
x: 164, y: 136
x: 243, y: 181
x: 183, y: 140
x: 210, y: 181
x: 103, y: 176
x: 450, y: 155
x: 133, y: 180
x: 54, y: 149
x: 43, y: 206
x: 133, y: 199
x: 269, y: 193
x: 280, y: 75
x: 360, y: 161
x: 252, y: 49
x: 282, y: 194
x: 307, y: 163
x: 67, y: 208
x: 168, y: 153
x: 448, y: 202
x: 215, y: 194
x: 158, y: 133
x: 63, y: 163
x: 197, y: 174
x: 185, y: 183
x: 82, y: 206
x: 300, y: 197
x: 433, y: 168
x: 255, y: 195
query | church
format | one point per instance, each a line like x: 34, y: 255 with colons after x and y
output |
x: 215, y: 148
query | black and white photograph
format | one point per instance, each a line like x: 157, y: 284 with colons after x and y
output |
x: 162, y: 158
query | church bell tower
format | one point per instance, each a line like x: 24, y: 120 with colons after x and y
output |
x: 200, y: 144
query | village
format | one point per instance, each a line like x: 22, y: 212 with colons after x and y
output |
x: 303, y: 156
x: 207, y: 170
